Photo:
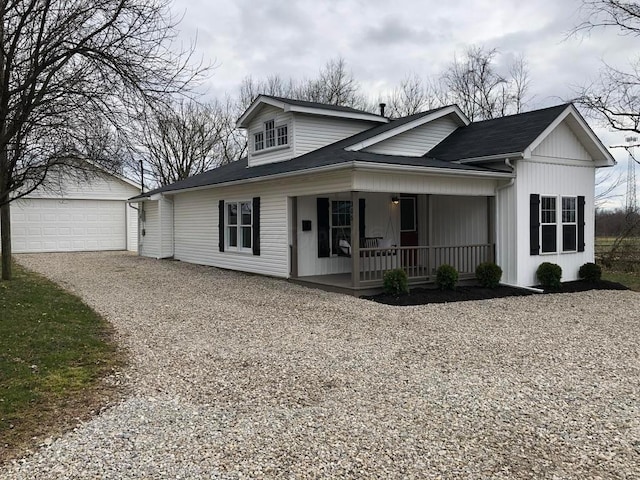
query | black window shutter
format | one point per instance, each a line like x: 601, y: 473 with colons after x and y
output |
x: 322, y: 205
x: 361, y: 224
x: 581, y: 224
x: 534, y: 224
x: 256, y: 226
x: 221, y: 225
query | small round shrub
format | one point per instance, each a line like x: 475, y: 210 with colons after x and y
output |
x: 590, y: 272
x: 395, y: 282
x: 446, y: 277
x: 488, y: 274
x: 549, y: 275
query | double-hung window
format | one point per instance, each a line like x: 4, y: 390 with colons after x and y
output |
x: 239, y: 225
x: 271, y: 136
x: 341, y: 214
x: 258, y: 141
x: 569, y: 224
x: 548, y: 224
x: 270, y: 133
x: 282, y: 136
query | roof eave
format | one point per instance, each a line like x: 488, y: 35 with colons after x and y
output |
x: 248, y: 115
x: 489, y: 158
x: 371, y: 117
x: 356, y: 164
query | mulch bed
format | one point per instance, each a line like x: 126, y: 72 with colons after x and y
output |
x: 422, y: 295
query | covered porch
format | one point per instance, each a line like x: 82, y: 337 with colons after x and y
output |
x: 337, y: 245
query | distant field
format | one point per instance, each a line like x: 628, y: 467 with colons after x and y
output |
x: 622, y: 265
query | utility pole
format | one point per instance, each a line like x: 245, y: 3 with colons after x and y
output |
x: 631, y: 204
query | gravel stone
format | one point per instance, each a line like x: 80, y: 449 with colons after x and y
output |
x: 241, y: 376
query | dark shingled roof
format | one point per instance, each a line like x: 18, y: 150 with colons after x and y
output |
x: 490, y: 137
x: 511, y: 134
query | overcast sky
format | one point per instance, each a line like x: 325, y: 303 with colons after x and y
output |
x: 382, y: 41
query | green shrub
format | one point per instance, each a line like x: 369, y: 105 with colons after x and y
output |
x: 590, y: 272
x: 549, y: 275
x: 395, y: 282
x: 446, y: 277
x: 488, y: 274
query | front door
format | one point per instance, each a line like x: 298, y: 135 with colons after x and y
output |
x: 408, y: 229
x: 408, y: 221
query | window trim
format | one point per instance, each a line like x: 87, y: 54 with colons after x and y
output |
x: 239, y: 226
x: 265, y: 137
x: 332, y: 227
x: 255, y: 141
x: 574, y: 223
x: 543, y: 223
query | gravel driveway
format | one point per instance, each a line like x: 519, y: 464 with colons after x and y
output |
x: 241, y: 376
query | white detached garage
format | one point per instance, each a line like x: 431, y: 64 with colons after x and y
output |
x: 76, y: 215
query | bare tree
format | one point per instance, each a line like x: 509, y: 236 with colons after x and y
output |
x: 480, y: 91
x: 412, y: 96
x: 614, y: 97
x: 334, y: 85
x: 66, y: 64
x: 183, y: 139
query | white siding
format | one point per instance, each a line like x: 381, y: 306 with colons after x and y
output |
x: 562, y: 143
x: 196, y: 231
x: 98, y: 187
x: 276, y: 154
x: 132, y: 227
x: 459, y: 220
x: 549, y: 179
x: 196, y: 222
x: 312, y: 132
x: 381, y: 220
x: 422, y: 183
x: 507, y: 233
x: 150, y: 230
x: 166, y: 227
x: 418, y: 141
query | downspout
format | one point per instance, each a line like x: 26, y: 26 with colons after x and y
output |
x: 499, y: 188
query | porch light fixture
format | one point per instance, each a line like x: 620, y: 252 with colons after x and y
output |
x: 395, y: 200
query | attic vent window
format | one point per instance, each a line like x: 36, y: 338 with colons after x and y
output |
x: 271, y: 136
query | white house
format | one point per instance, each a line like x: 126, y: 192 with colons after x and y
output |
x: 337, y: 196
x: 74, y: 215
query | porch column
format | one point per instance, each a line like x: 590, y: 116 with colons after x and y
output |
x: 491, y: 227
x: 432, y: 253
x: 294, y: 238
x: 355, y: 239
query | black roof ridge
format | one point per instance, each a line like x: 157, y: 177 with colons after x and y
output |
x: 324, y: 106
x: 513, y: 115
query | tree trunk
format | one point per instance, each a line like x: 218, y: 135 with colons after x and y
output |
x: 5, y: 226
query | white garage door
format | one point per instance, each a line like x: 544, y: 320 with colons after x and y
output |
x: 47, y: 225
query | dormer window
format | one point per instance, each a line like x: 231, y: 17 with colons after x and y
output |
x: 282, y: 135
x: 259, y: 141
x: 272, y: 136
x: 270, y: 130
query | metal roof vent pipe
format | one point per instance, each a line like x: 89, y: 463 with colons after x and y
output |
x: 382, y: 105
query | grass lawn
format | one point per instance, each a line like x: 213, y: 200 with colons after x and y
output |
x: 630, y: 279
x: 625, y: 267
x: 54, y: 352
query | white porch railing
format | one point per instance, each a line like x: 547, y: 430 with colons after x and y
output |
x: 422, y: 262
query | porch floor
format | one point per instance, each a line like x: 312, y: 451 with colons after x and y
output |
x: 341, y: 283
